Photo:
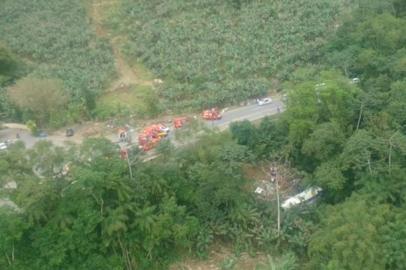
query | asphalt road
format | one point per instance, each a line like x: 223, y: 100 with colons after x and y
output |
x: 249, y: 112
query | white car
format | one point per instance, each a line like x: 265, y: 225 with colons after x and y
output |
x: 264, y: 101
x: 3, y: 146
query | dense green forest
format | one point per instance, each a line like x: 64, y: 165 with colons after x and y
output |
x: 346, y: 136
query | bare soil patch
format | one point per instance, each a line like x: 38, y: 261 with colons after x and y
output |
x: 127, y: 74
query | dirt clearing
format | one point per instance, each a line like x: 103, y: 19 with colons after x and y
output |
x: 127, y: 75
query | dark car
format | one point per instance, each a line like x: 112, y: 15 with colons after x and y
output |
x: 42, y: 134
x: 70, y: 132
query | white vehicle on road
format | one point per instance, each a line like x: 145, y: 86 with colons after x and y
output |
x: 3, y: 146
x: 264, y: 101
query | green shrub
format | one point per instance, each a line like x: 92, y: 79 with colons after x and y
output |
x: 32, y: 126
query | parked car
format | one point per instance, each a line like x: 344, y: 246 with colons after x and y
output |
x: 264, y: 101
x: 42, y: 134
x: 70, y: 132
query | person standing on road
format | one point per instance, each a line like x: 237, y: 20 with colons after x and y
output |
x: 278, y: 109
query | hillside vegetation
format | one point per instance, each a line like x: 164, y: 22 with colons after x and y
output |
x: 349, y: 139
x: 206, y: 52
x: 82, y: 207
x: 220, y: 52
x: 56, y: 41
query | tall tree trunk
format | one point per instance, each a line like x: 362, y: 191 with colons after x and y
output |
x: 360, y: 116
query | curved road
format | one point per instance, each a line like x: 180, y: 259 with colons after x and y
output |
x: 251, y: 112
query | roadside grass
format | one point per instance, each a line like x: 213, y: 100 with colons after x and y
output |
x: 143, y: 73
x: 139, y: 101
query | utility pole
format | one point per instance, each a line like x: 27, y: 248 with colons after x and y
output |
x: 390, y: 151
x: 360, y: 115
x: 275, y: 179
x: 129, y: 165
x: 125, y: 153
